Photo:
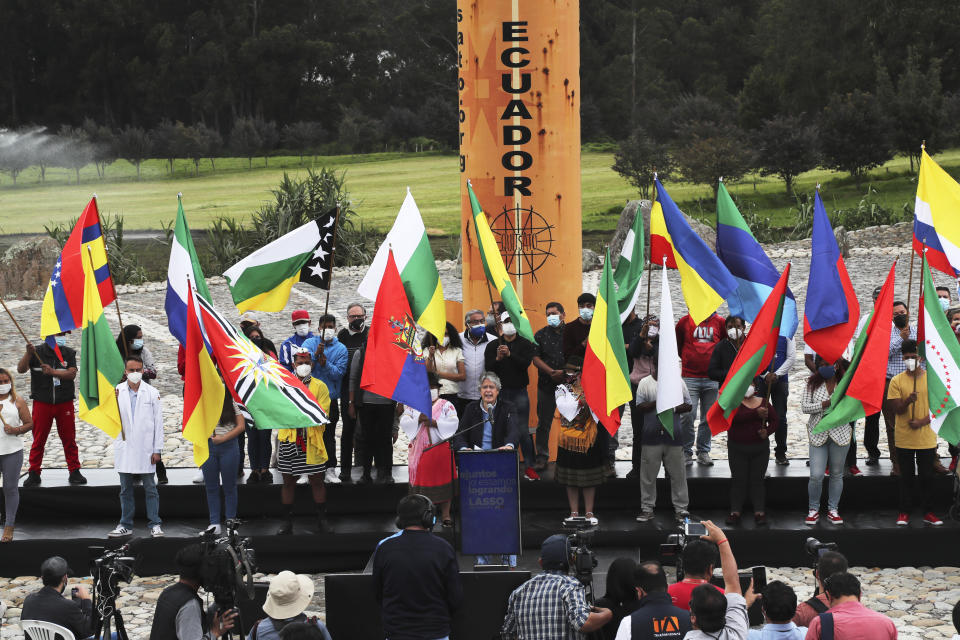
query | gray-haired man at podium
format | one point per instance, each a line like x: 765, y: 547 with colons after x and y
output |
x: 496, y: 425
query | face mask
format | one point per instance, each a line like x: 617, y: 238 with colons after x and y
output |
x: 135, y: 376
x: 827, y: 371
x: 302, y: 330
x: 478, y: 331
x: 586, y: 314
x: 357, y: 324
x: 944, y: 303
x: 5, y: 388
x: 303, y: 370
x: 491, y: 319
x: 137, y: 344
x: 900, y: 321
x: 653, y: 332
x: 434, y: 394
x: 910, y: 363
x: 750, y: 391
x: 508, y: 329
x: 329, y: 334
x: 735, y: 333
x: 61, y: 341
x: 553, y: 319
x: 446, y: 342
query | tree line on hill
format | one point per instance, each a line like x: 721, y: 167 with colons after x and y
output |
x: 725, y: 87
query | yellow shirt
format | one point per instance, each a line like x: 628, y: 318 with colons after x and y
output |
x: 316, y: 452
x: 901, y: 386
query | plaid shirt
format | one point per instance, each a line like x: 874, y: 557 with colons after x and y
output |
x: 895, y: 363
x: 549, y: 606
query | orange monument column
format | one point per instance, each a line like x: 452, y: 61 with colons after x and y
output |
x: 519, y: 87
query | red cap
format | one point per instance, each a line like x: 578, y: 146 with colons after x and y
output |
x: 299, y: 314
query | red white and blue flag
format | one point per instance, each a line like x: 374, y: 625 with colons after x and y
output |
x: 831, y: 312
x: 394, y: 365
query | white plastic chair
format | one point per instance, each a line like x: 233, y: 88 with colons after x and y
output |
x: 40, y: 630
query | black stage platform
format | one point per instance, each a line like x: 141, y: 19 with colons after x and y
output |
x: 63, y: 519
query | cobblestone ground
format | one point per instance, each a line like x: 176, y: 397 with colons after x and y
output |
x: 144, y: 306
x: 919, y: 600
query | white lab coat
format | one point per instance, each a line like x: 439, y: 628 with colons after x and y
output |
x: 144, y: 434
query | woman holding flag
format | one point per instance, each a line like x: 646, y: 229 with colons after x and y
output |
x: 828, y: 449
x: 748, y: 447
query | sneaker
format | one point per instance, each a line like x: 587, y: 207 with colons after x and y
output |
x: 33, y: 480
x: 704, y: 459
x: 253, y: 478
x: 688, y: 459
x: 215, y: 529
x: 760, y: 518
x: 156, y: 531
x: 531, y: 474
x: 645, y: 516
x: 871, y: 461
x: 266, y: 477
x: 302, y: 480
x: 855, y: 470
x: 198, y: 478
x: 681, y: 514
x: 826, y: 472
x: 733, y: 518
x: 903, y: 519
x: 120, y: 532
x: 782, y: 460
x: 834, y: 517
x: 330, y: 476
x: 813, y: 517
x: 77, y: 478
x: 592, y: 519
x: 932, y: 519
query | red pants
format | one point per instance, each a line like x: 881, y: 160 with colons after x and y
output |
x: 43, y: 416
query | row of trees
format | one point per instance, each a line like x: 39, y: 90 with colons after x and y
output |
x: 702, y: 139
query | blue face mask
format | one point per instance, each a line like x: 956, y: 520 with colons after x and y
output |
x: 553, y: 320
x: 944, y: 303
x: 478, y: 332
x: 827, y: 371
x: 137, y: 344
x: 61, y: 341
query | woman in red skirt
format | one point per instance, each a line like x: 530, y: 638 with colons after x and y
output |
x: 431, y: 472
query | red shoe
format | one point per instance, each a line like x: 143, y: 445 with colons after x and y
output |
x: 855, y: 470
x: 531, y: 474
x: 826, y: 472
x: 813, y: 517
x: 932, y: 520
x: 953, y: 463
x: 903, y: 519
x: 834, y: 517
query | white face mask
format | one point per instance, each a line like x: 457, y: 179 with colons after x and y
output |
x: 134, y: 376
x: 446, y: 341
x: 508, y: 329
x: 735, y: 333
x: 911, y: 364
x: 653, y: 332
x: 302, y: 330
x: 329, y: 334
x: 586, y: 313
x: 5, y: 388
x: 303, y: 370
x: 751, y: 390
x: 434, y: 394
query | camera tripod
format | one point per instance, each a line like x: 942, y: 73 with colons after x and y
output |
x: 105, y: 606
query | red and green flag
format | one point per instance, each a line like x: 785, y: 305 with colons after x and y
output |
x: 942, y: 351
x: 754, y: 356
x: 860, y: 391
x: 605, y: 380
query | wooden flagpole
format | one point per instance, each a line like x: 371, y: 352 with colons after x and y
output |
x: 16, y: 324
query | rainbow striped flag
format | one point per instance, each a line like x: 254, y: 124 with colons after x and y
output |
x: 605, y: 379
x: 704, y: 279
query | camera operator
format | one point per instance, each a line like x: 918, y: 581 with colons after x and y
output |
x: 179, y: 614
x: 829, y: 563
x: 847, y: 618
x: 779, y: 603
x: 716, y: 616
x: 415, y: 575
x: 49, y: 605
x: 656, y: 617
x: 699, y: 557
x: 552, y: 604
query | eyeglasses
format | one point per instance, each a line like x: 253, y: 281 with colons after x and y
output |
x: 357, y: 316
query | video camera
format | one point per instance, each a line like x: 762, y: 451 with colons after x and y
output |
x: 582, y: 558
x: 227, y: 566
x: 109, y: 568
x: 815, y: 549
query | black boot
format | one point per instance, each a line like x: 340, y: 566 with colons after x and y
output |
x: 287, y: 527
x: 322, y: 525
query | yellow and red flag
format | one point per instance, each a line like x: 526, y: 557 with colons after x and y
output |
x: 605, y: 379
x: 203, y: 389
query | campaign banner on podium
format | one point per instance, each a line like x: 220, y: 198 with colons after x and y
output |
x: 489, y: 502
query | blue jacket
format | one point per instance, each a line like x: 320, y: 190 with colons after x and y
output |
x: 285, y: 355
x: 333, y: 371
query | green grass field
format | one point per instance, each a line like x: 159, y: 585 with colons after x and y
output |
x: 377, y: 183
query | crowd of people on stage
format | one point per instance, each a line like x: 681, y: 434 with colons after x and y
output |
x: 479, y: 379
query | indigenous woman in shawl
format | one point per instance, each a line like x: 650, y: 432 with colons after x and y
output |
x: 431, y: 471
x: 579, y: 456
x: 301, y: 451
